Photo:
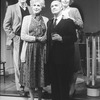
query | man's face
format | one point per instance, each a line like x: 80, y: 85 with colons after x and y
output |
x: 22, y: 1
x: 56, y: 7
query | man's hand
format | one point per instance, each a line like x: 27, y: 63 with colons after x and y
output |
x: 56, y: 37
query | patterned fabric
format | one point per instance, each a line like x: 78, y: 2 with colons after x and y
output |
x: 32, y: 71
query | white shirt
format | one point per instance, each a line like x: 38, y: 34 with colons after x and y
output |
x: 65, y: 12
x: 58, y: 19
x: 23, y: 7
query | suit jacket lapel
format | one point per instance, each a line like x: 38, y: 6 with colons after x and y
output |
x: 18, y: 11
x: 59, y: 23
x: 49, y: 29
x: 50, y: 24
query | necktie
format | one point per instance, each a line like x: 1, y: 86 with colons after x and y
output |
x: 23, y: 7
x: 54, y: 22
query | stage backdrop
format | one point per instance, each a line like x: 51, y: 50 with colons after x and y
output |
x: 89, y: 9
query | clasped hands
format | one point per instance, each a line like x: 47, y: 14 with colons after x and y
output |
x: 55, y: 36
x: 41, y: 39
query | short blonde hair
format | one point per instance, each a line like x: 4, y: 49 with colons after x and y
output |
x: 42, y: 2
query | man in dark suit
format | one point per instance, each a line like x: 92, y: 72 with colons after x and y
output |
x: 12, y: 26
x: 60, y: 45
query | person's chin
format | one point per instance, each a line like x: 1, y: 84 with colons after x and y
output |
x: 54, y: 12
x: 36, y: 13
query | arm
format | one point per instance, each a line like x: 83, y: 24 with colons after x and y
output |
x: 69, y: 32
x: 78, y: 21
x: 7, y: 24
x: 25, y: 31
x: 77, y: 17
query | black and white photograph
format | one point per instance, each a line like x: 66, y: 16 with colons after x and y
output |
x: 50, y: 50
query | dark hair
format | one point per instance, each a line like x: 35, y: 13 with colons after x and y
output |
x: 71, y: 1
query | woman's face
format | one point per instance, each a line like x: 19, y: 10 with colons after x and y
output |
x: 22, y: 1
x: 36, y: 7
x: 65, y: 3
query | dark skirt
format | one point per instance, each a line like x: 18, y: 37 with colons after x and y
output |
x: 32, y: 70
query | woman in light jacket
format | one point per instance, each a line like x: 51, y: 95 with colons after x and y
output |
x: 74, y: 14
x: 33, y: 52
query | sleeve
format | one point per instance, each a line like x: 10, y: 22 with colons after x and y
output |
x: 7, y: 24
x: 77, y: 16
x: 45, y: 21
x: 69, y: 31
x: 25, y: 31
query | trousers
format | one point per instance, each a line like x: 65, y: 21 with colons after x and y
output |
x: 16, y: 46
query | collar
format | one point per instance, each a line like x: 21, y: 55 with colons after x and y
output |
x: 58, y: 19
x: 65, y: 12
x: 37, y: 17
x: 24, y: 6
x: 66, y: 8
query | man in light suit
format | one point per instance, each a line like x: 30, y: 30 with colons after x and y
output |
x: 61, y: 36
x: 12, y: 26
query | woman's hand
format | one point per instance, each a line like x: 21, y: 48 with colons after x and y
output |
x: 41, y: 39
x: 68, y: 17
